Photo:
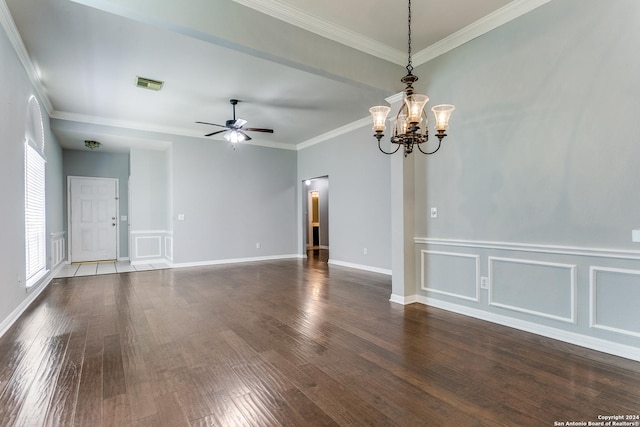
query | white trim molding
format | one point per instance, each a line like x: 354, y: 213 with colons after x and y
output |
x: 32, y: 293
x: 126, y: 124
x: 58, y: 249
x: 535, y: 248
x: 398, y: 299
x: 334, y: 133
x: 6, y: 21
x: 505, y: 14
x: 168, y: 247
x: 232, y: 261
x: 598, y: 344
x: 360, y: 267
x: 159, y: 245
x: 555, y: 268
x: 573, y: 284
x: 593, y: 299
x: 476, y: 279
x: 302, y: 19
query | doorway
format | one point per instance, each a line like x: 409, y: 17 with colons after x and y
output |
x: 316, y: 217
x: 93, y: 212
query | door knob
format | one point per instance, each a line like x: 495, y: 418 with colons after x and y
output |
x: 114, y: 224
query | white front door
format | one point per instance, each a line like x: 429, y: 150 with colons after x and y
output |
x: 93, y: 218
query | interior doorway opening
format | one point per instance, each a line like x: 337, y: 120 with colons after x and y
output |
x: 316, y: 217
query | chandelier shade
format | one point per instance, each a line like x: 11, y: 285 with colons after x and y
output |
x: 379, y: 115
x: 410, y: 127
x: 442, y: 113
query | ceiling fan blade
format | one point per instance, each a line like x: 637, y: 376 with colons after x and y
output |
x: 239, y: 123
x: 212, y: 124
x: 247, y: 137
x: 259, y: 130
x: 213, y: 133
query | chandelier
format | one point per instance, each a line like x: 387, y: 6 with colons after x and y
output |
x: 407, y: 130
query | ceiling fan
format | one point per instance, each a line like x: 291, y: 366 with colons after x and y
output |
x: 234, y: 127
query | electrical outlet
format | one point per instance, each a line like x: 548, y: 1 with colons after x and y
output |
x: 434, y: 212
x: 258, y: 245
x: 364, y: 251
x: 484, y: 282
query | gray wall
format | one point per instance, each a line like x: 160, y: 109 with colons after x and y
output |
x: 102, y: 165
x: 15, y: 91
x: 537, y: 182
x: 149, y: 188
x: 150, y: 209
x: 359, y: 211
x: 231, y: 200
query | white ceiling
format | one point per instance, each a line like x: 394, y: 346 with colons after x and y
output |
x: 301, y: 67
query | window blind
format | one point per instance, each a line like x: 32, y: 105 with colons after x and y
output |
x: 34, y: 215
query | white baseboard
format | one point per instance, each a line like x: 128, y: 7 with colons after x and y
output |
x: 231, y: 261
x: 592, y: 343
x: 360, y: 267
x: 124, y: 258
x: 403, y: 300
x: 150, y: 261
x: 32, y: 294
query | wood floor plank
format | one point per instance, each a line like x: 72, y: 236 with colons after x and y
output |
x: 65, y: 393
x: 113, y: 382
x: 116, y: 411
x: 89, y: 404
x: 288, y: 342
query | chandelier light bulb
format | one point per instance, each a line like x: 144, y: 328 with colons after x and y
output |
x: 379, y: 115
x: 415, y: 106
x: 442, y: 113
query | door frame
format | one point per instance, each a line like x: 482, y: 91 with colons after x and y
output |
x: 69, y: 230
x: 305, y: 198
x: 310, y: 219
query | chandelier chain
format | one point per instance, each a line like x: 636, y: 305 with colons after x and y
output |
x: 409, y: 63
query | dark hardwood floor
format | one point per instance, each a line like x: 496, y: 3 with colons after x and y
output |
x: 291, y: 343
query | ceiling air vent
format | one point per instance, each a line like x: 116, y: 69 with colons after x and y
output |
x: 148, y: 83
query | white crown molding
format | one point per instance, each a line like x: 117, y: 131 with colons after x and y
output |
x: 482, y: 26
x: 523, y: 247
x: 6, y: 20
x: 125, y: 124
x: 334, y: 133
x: 314, y: 24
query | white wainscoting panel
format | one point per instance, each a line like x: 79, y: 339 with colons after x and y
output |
x: 544, y: 289
x: 615, y: 300
x: 450, y: 273
x: 58, y: 249
x: 147, y: 246
x: 168, y: 247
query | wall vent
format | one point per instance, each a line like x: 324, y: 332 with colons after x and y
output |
x: 150, y: 84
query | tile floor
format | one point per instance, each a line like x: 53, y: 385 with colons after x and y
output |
x: 94, y: 268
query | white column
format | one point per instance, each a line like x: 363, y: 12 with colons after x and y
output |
x: 403, y: 264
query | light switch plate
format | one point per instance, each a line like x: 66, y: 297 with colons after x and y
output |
x: 635, y: 236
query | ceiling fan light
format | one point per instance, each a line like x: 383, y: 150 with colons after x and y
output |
x: 234, y: 136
